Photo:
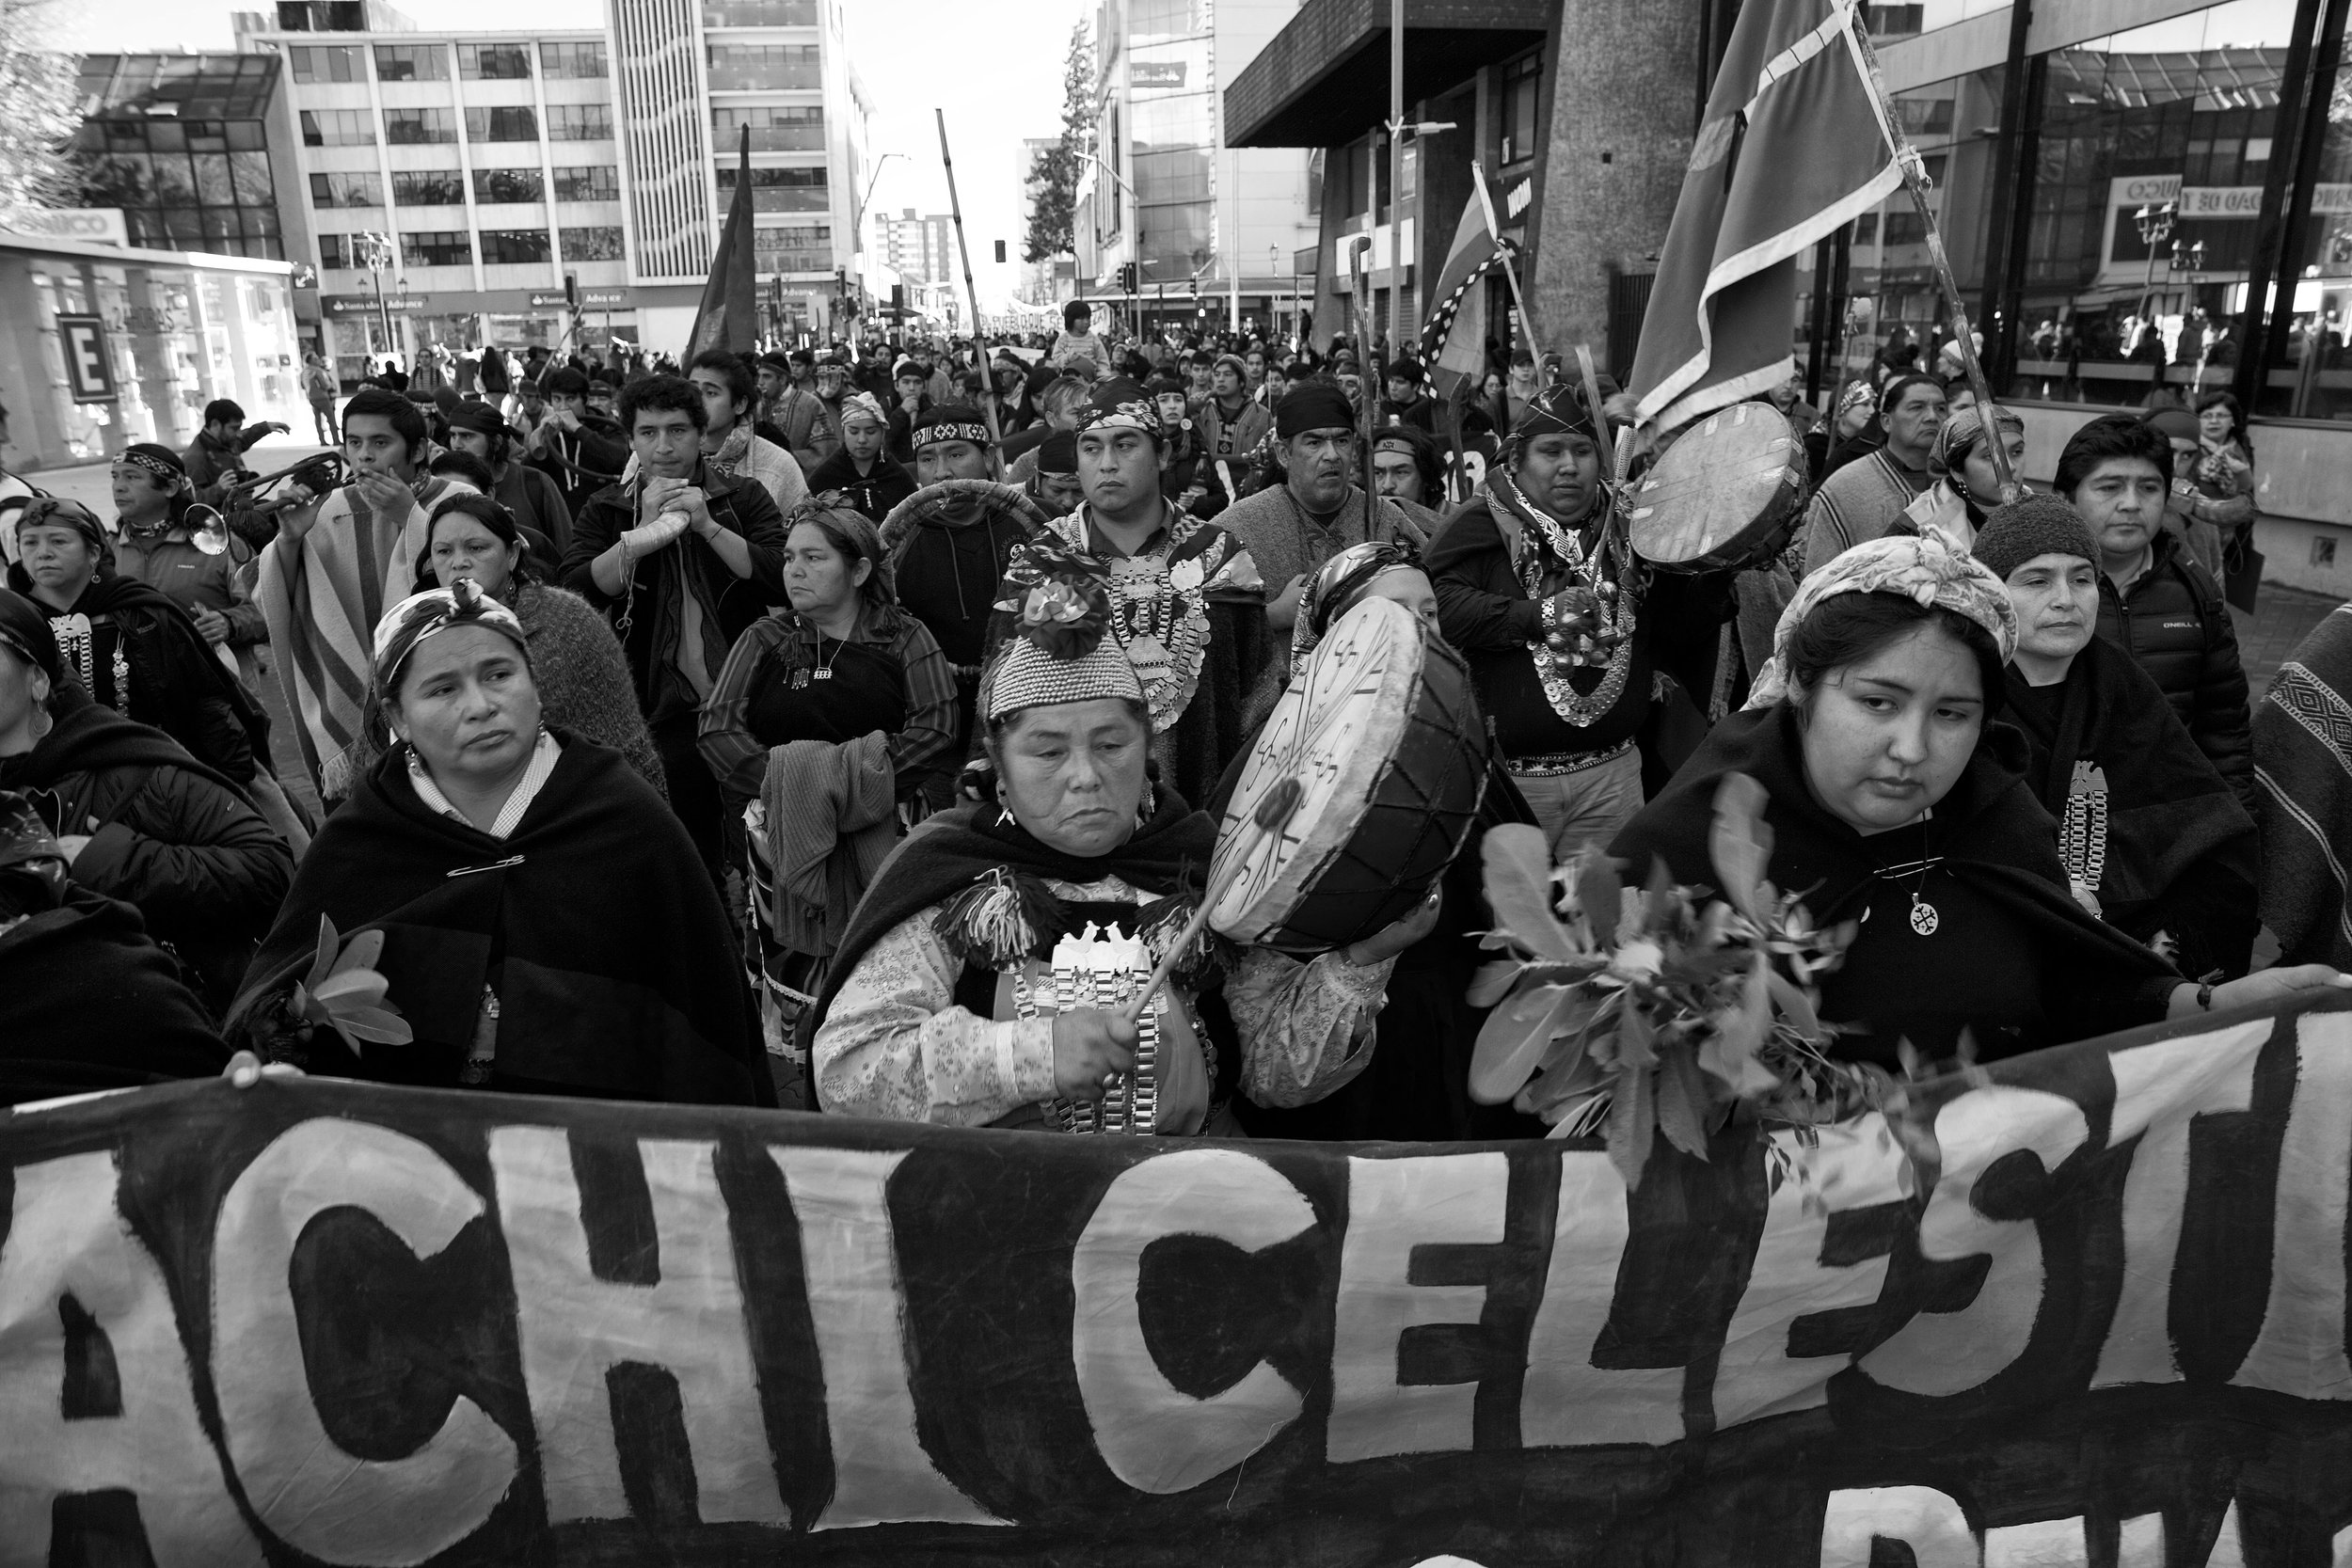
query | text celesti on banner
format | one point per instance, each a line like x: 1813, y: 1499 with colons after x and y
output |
x: 2102, y: 1318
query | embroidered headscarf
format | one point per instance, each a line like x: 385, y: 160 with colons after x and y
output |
x: 862, y: 405
x: 1923, y: 570
x: 1958, y: 436
x: 1063, y: 648
x: 1337, y: 586
x: 1120, y: 403
x: 430, y: 613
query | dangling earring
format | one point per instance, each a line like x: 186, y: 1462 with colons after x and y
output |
x: 1004, y: 809
x: 1150, y: 805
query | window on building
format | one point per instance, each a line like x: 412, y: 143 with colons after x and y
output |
x: 338, y: 127
x: 514, y: 247
x: 321, y: 16
x: 774, y: 128
x: 1906, y: 226
x: 416, y: 127
x: 599, y: 242
x: 428, y: 187
x: 780, y: 190
x: 507, y: 123
x: 346, y: 190
x: 436, y: 247
x: 494, y: 62
x: 1314, y: 183
x: 1522, y: 88
x: 498, y: 186
x: 800, y: 248
x: 1865, y: 229
x: 580, y: 122
x: 325, y: 63
x: 760, y: 13
x: 411, y: 62
x: 1925, y: 116
x: 572, y: 61
x: 342, y: 252
x: 1894, y: 22
x: 588, y: 183
x: 764, y: 67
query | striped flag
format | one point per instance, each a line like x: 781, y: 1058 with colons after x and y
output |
x: 729, y: 317
x: 1453, y: 341
x: 1795, y: 146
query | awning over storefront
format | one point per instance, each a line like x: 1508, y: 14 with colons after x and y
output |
x: 1324, y: 78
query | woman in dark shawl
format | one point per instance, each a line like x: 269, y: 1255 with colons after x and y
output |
x: 2153, y: 840
x: 1895, y: 802
x: 546, y: 927
x: 953, y: 998
x: 129, y: 646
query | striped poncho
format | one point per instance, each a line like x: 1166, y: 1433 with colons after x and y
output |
x: 323, y: 595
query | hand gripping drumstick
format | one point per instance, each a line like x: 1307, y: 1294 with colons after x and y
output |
x: 1272, y: 813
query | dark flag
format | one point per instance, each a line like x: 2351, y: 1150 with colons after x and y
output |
x: 729, y: 317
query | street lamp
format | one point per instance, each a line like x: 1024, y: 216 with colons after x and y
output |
x: 2155, y: 226
x: 376, y: 253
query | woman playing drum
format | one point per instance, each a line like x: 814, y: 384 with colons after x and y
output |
x: 943, y: 1003
x: 1894, y: 798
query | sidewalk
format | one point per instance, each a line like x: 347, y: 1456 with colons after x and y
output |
x: 2266, y: 638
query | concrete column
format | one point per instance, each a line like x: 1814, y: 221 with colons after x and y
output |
x: 1622, y: 79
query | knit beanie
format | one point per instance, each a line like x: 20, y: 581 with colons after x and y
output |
x: 2036, y: 525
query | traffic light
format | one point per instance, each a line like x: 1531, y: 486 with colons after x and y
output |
x: 1127, y: 278
x: 1000, y: 253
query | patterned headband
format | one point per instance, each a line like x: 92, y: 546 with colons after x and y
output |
x: 863, y: 402
x: 155, y: 466
x: 932, y: 434
x: 435, y: 611
x: 1131, y: 415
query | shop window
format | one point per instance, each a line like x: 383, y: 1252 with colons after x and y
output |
x: 494, y: 62
x: 572, y: 61
x: 580, y: 122
x: 346, y: 190
x: 411, y: 62
x: 514, y: 247
x: 588, y: 183
x: 428, y: 187
x: 514, y: 122
x: 501, y: 186
x: 419, y: 127
x: 599, y: 242
x: 436, y: 247
x: 338, y: 127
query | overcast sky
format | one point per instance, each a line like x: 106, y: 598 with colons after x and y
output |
x: 1006, y: 84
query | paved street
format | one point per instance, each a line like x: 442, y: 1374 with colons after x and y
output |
x: 2286, y: 616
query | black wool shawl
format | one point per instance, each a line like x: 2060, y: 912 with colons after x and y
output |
x: 88, y: 1002
x: 615, y: 966
x: 1992, y: 835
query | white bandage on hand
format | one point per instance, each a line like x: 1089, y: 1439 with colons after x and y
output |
x: 648, y: 537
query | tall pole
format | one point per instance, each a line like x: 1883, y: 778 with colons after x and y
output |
x: 1396, y: 179
x: 979, y: 341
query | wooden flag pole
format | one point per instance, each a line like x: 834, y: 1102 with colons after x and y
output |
x: 979, y: 338
x: 1510, y: 267
x: 1916, y: 181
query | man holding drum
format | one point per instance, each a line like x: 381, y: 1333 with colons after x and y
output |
x: 1562, y: 628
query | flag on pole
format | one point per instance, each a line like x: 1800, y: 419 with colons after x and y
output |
x: 1794, y: 145
x: 1454, y: 340
x: 728, y: 316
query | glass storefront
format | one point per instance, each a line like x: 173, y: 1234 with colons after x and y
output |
x: 175, y: 336
x: 2128, y: 224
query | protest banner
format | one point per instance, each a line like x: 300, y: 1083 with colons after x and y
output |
x: 2086, y: 1306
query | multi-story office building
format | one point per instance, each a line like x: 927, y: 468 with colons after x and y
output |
x: 450, y: 183
x: 693, y: 76
x: 1212, y: 228
x: 922, y: 248
x: 181, y: 143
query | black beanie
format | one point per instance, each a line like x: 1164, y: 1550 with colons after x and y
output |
x: 2032, y: 525
x: 1313, y: 405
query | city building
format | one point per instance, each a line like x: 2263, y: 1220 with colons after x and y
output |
x: 180, y: 144
x: 453, y: 189
x: 1213, y: 227
x: 693, y: 78
x: 922, y: 248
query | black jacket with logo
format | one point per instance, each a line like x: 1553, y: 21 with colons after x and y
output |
x: 2174, y: 622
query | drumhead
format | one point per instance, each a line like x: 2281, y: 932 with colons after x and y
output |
x: 1335, y: 730
x: 1733, y: 473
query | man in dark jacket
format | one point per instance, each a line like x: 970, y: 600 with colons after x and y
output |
x: 684, y: 559
x: 536, y: 500
x: 215, y: 459
x: 2155, y: 600
x: 580, y: 450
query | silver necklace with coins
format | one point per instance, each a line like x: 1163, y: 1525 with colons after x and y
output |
x: 1601, y: 576
x: 77, y: 640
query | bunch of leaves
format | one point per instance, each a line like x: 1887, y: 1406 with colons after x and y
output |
x: 1636, y: 1012
x: 342, y: 990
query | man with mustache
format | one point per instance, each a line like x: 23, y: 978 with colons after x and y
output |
x: 1318, y: 510
x: 1564, y: 631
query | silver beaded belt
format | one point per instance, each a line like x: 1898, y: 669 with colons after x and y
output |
x: 1561, y: 763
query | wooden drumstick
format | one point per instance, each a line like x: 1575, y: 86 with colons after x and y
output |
x: 1273, y: 810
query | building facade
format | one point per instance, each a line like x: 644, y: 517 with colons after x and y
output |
x: 1211, y: 227
x: 179, y: 143
x: 697, y: 80
x: 451, y: 186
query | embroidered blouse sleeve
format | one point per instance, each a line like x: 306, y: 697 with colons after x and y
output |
x: 1306, y: 1028
x: 895, y: 1044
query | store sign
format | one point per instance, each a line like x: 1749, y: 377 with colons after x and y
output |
x: 1516, y: 200
x: 1158, y: 73
x: 2221, y: 201
x: 364, y: 305
x: 84, y: 225
x: 89, y: 375
x: 2146, y: 190
x: 590, y: 299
